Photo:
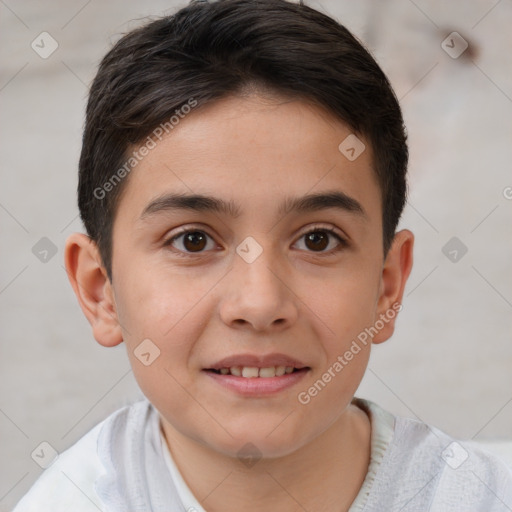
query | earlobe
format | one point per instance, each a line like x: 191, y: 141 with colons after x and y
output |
x: 92, y: 288
x: 395, y: 272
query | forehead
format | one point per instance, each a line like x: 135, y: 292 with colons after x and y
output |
x: 257, y: 154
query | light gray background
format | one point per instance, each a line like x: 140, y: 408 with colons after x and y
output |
x: 450, y: 361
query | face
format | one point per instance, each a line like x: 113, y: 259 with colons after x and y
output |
x: 271, y: 280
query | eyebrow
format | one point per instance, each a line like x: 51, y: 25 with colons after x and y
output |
x: 204, y: 203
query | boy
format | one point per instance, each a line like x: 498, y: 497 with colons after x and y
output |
x: 265, y: 135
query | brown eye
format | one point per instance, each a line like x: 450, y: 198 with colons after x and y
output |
x: 194, y: 241
x: 319, y: 239
x: 189, y: 242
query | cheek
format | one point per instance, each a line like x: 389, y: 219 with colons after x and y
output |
x: 347, y: 307
x: 154, y: 315
x: 157, y: 303
x: 346, y: 304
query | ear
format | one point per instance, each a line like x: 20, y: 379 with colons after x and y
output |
x: 396, y: 270
x: 93, y: 289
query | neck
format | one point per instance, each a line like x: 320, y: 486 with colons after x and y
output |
x: 324, y: 475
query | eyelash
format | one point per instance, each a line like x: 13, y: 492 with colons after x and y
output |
x: 342, y: 241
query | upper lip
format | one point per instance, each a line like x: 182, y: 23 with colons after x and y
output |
x: 258, y: 361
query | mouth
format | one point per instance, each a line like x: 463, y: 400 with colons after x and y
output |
x: 251, y: 372
x: 257, y: 376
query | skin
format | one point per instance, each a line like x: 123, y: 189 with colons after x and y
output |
x: 295, y: 298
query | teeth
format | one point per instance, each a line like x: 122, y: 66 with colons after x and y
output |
x: 236, y: 370
x: 249, y: 371
x: 252, y: 371
x: 267, y: 372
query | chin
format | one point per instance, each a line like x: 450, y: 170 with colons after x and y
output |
x: 258, y: 443
x: 249, y: 450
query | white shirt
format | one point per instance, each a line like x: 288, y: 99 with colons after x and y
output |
x: 413, y: 467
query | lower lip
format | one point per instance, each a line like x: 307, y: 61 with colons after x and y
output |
x: 258, y: 386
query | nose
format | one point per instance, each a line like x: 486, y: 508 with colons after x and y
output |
x: 258, y: 294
